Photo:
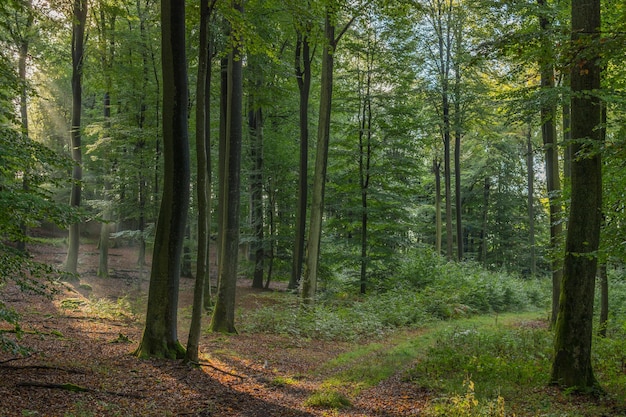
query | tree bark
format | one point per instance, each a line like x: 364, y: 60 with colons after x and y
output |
x: 571, y: 366
x: 202, y: 187
x: 604, y: 300
x: 309, y: 281
x: 255, y: 126
x: 223, y: 319
x: 530, y: 169
x: 160, y: 337
x: 548, y: 134
x: 303, y: 77
x: 438, y: 222
x: 79, y: 20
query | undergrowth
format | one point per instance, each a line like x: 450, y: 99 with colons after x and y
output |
x: 426, y: 289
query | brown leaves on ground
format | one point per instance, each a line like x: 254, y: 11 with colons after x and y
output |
x: 82, y: 363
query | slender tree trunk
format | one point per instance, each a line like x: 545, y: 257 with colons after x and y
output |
x: 78, y: 48
x: 223, y: 319
x: 553, y: 182
x: 365, y: 156
x: 530, y: 181
x: 255, y: 129
x: 438, y: 222
x: 160, y: 337
x: 604, y: 300
x: 458, y: 133
x: 24, y: 41
x: 303, y: 77
x: 202, y: 187
x: 482, y: 256
x: 309, y: 282
x: 571, y: 366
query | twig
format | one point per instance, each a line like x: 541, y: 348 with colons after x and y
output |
x: 14, y: 359
x: 208, y: 365
x: 74, y: 388
x: 46, y: 367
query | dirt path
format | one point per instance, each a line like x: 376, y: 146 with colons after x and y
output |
x: 87, y: 344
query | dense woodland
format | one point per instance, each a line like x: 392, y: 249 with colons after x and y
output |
x: 351, y: 150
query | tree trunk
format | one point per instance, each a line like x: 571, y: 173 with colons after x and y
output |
x: 160, y: 337
x: 255, y: 125
x: 438, y: 222
x: 24, y: 40
x: 548, y: 134
x: 223, y: 319
x: 530, y: 169
x: 482, y: 255
x: 303, y: 77
x: 365, y: 156
x: 79, y: 21
x: 309, y: 282
x: 202, y: 187
x: 571, y: 365
x: 604, y: 300
x: 458, y: 133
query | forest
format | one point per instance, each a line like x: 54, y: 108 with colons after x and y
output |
x: 312, y: 208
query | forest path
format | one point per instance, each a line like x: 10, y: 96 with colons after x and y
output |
x: 82, y: 364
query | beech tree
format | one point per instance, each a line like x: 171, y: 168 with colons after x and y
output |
x: 160, y: 336
x: 79, y: 21
x: 571, y: 365
x: 223, y: 319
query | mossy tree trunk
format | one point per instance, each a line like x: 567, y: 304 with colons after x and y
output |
x: 160, y: 337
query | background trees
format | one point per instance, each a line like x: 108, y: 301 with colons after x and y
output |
x: 473, y: 87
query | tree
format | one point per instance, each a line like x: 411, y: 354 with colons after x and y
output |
x: 548, y: 134
x: 160, y: 338
x: 571, y: 365
x: 303, y: 59
x: 203, y: 186
x: 309, y: 282
x: 223, y: 319
x: 79, y: 21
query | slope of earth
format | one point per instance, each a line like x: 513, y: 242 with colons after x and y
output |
x: 81, y: 361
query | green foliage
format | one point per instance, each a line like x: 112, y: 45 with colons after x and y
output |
x: 499, y: 360
x: 328, y: 398
x: 426, y: 288
x: 467, y: 405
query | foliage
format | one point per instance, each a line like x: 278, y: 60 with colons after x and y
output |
x: 426, y: 288
x: 327, y: 398
x: 467, y: 405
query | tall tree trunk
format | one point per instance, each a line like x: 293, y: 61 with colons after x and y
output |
x: 309, y: 282
x: 571, y: 366
x: 438, y: 222
x: 223, y: 319
x: 548, y: 134
x: 365, y: 156
x: 160, y: 337
x: 303, y: 77
x: 530, y: 170
x: 604, y: 300
x: 482, y: 255
x: 202, y: 187
x: 79, y: 21
x: 24, y: 41
x: 255, y: 131
x: 458, y: 133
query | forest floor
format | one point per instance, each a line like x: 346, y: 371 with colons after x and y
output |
x: 82, y: 363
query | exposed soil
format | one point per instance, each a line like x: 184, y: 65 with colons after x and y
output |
x: 91, y: 348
